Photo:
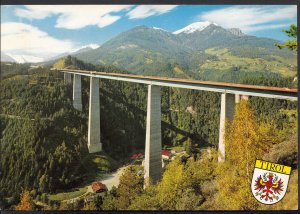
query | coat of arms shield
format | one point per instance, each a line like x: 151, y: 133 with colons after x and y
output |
x: 269, y: 181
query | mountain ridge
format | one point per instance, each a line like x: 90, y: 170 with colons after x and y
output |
x: 152, y: 51
x: 194, y: 27
x: 199, y: 50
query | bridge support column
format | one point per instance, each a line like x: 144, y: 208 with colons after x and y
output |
x: 77, y: 103
x: 244, y: 97
x: 153, y: 160
x: 94, y: 143
x: 67, y: 78
x: 227, y: 111
x: 239, y: 97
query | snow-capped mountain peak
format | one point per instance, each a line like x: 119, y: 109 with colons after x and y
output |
x: 157, y: 28
x: 196, y: 26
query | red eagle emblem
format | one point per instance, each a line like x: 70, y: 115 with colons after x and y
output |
x: 268, y: 186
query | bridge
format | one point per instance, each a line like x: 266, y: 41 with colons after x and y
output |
x: 230, y: 94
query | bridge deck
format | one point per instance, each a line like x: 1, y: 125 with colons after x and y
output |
x: 251, y: 90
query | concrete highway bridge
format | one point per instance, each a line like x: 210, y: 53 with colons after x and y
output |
x: 230, y: 94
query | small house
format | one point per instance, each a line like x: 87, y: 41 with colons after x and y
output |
x: 98, y: 187
x: 165, y: 154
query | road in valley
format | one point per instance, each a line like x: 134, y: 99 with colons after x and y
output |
x: 112, y: 179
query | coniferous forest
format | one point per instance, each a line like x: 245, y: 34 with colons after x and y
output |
x: 44, y: 143
x: 217, y: 150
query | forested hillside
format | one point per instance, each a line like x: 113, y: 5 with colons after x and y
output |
x: 204, y: 184
x: 44, y: 139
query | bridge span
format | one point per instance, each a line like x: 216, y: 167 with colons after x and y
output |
x: 230, y: 94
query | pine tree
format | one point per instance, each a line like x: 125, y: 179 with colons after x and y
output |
x: 130, y: 186
x: 290, y: 44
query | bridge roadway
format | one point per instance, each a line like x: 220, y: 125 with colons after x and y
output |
x: 230, y: 95
x: 248, y: 90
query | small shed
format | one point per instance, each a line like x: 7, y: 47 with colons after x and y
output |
x: 98, y: 187
x: 165, y: 154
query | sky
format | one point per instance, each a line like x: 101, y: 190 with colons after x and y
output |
x: 48, y: 30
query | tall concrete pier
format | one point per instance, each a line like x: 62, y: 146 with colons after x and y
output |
x: 67, y: 78
x: 94, y: 143
x: 239, y: 97
x: 244, y: 97
x: 77, y: 102
x: 231, y: 94
x: 153, y: 161
x: 227, y: 111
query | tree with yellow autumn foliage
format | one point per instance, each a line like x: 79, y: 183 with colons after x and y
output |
x: 173, y: 182
x: 245, y: 140
x: 26, y: 202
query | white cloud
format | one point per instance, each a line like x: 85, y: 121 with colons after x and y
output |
x: 107, y: 20
x: 74, y: 16
x: 251, y: 18
x: 266, y: 26
x: 80, y: 16
x: 19, y: 38
x: 144, y: 11
x: 34, y: 12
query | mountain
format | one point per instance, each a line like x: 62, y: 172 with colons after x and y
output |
x: 194, y: 27
x: 236, y: 31
x: 82, y: 49
x: 6, y: 58
x: 157, y: 28
x: 141, y: 49
x: 199, y: 50
x: 23, y: 58
x: 20, y: 58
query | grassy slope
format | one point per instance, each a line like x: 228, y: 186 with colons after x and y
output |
x: 227, y: 61
x: 73, y: 193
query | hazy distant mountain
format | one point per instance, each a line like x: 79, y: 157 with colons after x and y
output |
x: 236, y: 31
x: 24, y: 58
x: 82, y: 49
x: 6, y: 58
x: 199, y: 47
x: 20, y: 58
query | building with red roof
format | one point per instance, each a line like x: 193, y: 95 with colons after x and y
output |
x: 165, y: 154
x: 98, y: 187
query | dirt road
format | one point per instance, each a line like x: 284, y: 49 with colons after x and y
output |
x: 112, y: 179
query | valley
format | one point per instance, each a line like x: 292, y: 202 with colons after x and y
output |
x: 45, y: 161
x: 189, y: 123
